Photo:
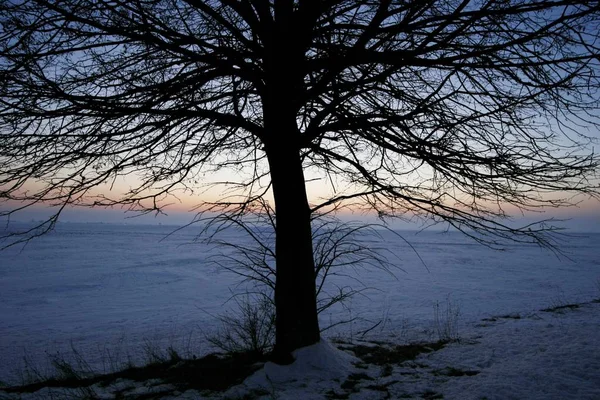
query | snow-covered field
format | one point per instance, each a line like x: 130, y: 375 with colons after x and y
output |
x: 108, y: 290
x: 536, y: 356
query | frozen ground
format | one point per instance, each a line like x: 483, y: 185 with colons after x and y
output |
x: 107, y: 290
x: 542, y: 355
x: 545, y: 355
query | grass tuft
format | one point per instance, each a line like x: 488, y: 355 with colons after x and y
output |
x: 248, y: 329
x: 213, y: 373
x: 446, y: 319
x: 431, y: 395
x: 333, y: 395
x: 561, y: 308
x: 454, y: 372
x: 387, y: 355
x: 353, y: 380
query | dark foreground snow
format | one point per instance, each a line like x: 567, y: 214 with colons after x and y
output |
x: 542, y: 355
x: 539, y: 355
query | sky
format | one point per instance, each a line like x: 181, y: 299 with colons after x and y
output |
x: 584, y: 218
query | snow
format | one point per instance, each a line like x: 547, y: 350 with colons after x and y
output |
x: 542, y: 355
x: 321, y: 361
x: 109, y: 291
x: 314, y: 370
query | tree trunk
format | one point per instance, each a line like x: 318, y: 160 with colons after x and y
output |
x: 295, y: 291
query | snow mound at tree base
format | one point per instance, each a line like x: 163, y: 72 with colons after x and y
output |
x: 320, y: 364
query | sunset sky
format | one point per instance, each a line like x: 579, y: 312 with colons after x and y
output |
x: 181, y: 208
x: 585, y: 216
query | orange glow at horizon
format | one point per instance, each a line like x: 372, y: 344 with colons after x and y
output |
x: 318, y: 188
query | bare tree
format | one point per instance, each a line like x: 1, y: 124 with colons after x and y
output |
x: 338, y: 250
x: 446, y: 109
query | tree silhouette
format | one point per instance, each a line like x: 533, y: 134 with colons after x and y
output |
x: 446, y: 109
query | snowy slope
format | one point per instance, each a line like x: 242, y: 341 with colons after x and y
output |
x: 542, y: 355
x: 109, y: 290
